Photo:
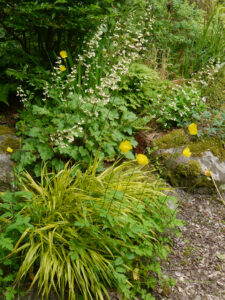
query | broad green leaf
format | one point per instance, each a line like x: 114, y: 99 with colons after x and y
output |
x: 45, y: 151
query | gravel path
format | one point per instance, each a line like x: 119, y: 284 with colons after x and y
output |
x: 198, y: 258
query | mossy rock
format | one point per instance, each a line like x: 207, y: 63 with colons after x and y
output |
x: 216, y: 146
x: 9, y: 141
x: 5, y: 130
x: 206, y: 154
x: 175, y: 138
x: 178, y: 138
x: 189, y: 175
x: 6, y: 175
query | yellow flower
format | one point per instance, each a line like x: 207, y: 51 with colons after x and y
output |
x: 142, y: 159
x: 186, y: 152
x: 9, y: 150
x: 62, y: 68
x: 193, y: 129
x: 63, y: 54
x: 208, y: 173
x: 125, y: 146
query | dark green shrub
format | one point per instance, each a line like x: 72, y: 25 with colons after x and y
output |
x: 33, y: 32
x: 42, y: 28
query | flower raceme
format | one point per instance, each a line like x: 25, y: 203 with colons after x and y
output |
x: 63, y: 54
x: 186, y: 152
x: 193, y: 129
x: 125, y: 146
x: 142, y: 159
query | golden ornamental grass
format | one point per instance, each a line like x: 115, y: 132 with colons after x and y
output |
x: 69, y: 248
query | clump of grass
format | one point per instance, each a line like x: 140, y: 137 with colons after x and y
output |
x: 90, y: 229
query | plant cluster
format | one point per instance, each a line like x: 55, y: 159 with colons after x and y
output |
x: 212, y: 123
x: 80, y: 111
x: 171, y: 104
x: 39, y: 30
x: 72, y: 130
x: 211, y: 79
x: 92, y: 231
x: 177, y: 105
x: 32, y: 32
x: 208, y: 74
x: 140, y: 86
x: 45, y: 26
x: 13, y: 224
x: 185, y: 37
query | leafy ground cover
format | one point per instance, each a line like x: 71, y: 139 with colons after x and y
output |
x: 135, y: 65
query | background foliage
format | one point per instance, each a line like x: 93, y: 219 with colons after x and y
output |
x: 183, y: 37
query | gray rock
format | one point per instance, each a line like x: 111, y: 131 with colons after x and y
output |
x: 6, y: 164
x: 208, y: 161
x: 6, y: 175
